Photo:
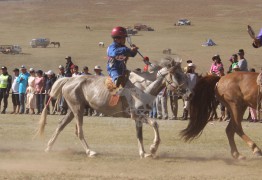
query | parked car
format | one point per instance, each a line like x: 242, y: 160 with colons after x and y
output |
x: 131, y: 31
x: 10, y: 49
x: 39, y: 42
x: 182, y: 22
x: 143, y: 27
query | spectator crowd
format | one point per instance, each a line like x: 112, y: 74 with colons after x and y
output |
x: 30, y: 89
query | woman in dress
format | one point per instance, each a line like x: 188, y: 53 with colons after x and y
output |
x: 30, y: 91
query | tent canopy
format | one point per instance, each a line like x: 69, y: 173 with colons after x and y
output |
x: 209, y: 42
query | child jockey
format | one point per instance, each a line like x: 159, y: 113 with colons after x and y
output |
x: 118, y: 54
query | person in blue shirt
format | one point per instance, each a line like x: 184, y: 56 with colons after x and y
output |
x: 118, y: 54
x: 23, y: 81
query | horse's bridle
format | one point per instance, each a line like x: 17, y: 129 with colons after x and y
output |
x: 178, y: 89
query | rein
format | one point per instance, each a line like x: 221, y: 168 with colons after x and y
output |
x: 171, y: 82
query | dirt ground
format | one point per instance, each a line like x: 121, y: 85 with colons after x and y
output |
x: 114, y: 139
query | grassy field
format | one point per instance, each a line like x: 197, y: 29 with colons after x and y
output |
x: 114, y: 139
x: 64, y: 21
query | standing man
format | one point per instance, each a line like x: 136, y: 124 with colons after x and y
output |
x: 62, y: 103
x: 23, y: 82
x: 98, y: 71
x: 15, y: 92
x: 192, y: 79
x: 161, y: 105
x: 242, y: 62
x: 88, y: 110
x: 75, y: 71
x: 68, y: 67
x: 5, y: 86
x: 85, y: 71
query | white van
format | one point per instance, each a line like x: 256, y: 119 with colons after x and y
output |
x: 39, y: 42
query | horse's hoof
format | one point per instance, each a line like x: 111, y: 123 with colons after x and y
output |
x: 47, y: 150
x: 153, y: 149
x: 258, y: 153
x: 148, y: 155
x: 241, y: 157
x: 91, y: 154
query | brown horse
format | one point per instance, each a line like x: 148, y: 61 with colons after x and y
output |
x: 236, y: 91
x: 56, y: 43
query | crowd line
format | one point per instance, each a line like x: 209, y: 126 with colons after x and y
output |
x: 30, y: 89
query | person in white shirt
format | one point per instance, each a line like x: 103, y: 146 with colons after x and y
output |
x: 98, y: 71
x: 75, y: 71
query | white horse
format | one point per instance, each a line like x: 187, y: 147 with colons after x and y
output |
x: 134, y: 102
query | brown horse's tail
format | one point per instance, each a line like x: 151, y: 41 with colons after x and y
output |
x: 201, y: 106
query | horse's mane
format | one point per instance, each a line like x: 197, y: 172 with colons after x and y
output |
x: 168, y: 61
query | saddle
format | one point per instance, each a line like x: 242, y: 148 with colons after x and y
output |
x: 114, y: 90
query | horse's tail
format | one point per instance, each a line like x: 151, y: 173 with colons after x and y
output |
x: 55, y: 92
x: 201, y: 106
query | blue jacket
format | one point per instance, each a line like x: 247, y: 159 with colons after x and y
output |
x: 22, y: 82
x: 115, y: 67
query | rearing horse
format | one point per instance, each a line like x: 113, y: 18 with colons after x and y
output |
x: 92, y: 91
x: 236, y: 91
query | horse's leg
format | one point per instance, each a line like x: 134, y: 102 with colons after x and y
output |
x: 62, y: 124
x: 239, y: 130
x: 230, y: 135
x: 236, y: 127
x: 139, y: 135
x: 79, y: 122
x: 156, y: 142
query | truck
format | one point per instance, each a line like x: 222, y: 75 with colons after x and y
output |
x: 39, y: 42
x: 10, y: 49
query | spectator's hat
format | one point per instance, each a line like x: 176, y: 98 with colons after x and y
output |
x: 31, y: 70
x: 61, y: 67
x: 23, y: 67
x: 189, y: 61
x: 216, y: 56
x: 240, y: 51
x: 85, y: 68
x: 3, y: 67
x: 235, y: 55
x: 16, y: 70
x: 191, y: 65
x: 68, y: 57
x: 98, y: 68
x: 39, y: 72
x: 50, y: 72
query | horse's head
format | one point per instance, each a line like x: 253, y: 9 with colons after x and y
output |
x: 175, y: 79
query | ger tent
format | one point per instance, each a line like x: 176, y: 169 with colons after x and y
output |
x: 209, y: 42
